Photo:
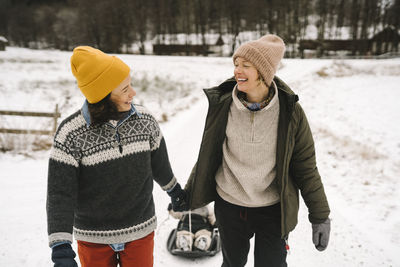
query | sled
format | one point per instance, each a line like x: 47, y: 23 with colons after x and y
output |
x: 215, y: 246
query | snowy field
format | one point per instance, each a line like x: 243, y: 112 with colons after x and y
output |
x: 352, y: 107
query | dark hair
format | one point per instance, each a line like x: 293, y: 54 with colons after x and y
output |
x: 103, y: 111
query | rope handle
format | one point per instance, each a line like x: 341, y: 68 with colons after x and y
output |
x: 190, y: 226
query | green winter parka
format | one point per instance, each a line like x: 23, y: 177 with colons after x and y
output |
x: 296, y: 168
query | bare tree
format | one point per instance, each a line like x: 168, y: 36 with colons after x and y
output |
x: 67, y: 33
x: 202, y: 11
x: 5, y: 5
x: 113, y: 25
x: 45, y: 17
x: 22, y: 30
x: 234, y: 9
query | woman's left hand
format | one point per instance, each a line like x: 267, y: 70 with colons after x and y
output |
x: 320, y: 235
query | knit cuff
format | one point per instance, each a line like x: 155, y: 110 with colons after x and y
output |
x: 59, y: 237
x: 170, y: 185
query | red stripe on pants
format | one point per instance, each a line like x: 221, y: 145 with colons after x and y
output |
x: 138, y: 253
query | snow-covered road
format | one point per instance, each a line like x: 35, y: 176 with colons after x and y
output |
x: 353, y: 112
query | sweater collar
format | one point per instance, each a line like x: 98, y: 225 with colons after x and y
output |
x: 243, y: 105
x: 86, y: 114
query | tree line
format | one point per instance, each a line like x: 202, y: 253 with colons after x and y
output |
x: 113, y: 25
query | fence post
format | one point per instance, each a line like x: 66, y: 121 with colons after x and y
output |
x: 56, y: 115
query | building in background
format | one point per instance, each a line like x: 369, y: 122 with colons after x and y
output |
x: 3, y: 43
x: 385, y: 43
x: 189, y: 44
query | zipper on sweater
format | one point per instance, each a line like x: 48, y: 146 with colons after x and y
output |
x: 119, y: 141
x: 117, y: 137
x: 252, y: 115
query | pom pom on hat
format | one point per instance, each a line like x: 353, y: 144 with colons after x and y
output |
x: 97, y: 73
x: 264, y: 53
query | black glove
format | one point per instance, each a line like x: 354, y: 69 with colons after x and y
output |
x: 63, y: 256
x: 178, y: 198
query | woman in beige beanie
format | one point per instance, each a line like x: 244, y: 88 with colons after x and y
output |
x: 257, y: 153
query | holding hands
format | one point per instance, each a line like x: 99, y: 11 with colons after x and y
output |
x: 178, y: 198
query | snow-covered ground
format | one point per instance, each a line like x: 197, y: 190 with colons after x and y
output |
x: 352, y: 107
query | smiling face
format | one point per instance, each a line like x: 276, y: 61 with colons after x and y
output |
x: 246, y: 75
x: 122, y: 95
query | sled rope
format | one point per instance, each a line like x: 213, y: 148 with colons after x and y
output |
x: 190, y: 226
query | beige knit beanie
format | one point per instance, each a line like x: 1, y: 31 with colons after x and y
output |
x: 264, y: 53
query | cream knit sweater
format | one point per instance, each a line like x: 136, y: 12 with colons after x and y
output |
x: 246, y: 176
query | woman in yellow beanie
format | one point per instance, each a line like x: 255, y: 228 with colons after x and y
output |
x: 256, y: 154
x: 103, y: 162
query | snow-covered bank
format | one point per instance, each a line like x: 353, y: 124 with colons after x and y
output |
x: 353, y: 112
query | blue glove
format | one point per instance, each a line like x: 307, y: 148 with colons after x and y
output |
x: 178, y: 198
x: 320, y: 232
x: 63, y: 256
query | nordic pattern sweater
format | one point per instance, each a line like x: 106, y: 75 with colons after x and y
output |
x: 247, y: 174
x: 100, y: 179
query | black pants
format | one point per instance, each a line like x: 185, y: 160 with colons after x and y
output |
x: 237, y: 225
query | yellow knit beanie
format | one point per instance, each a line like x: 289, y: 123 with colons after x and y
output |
x: 97, y: 73
x: 264, y: 53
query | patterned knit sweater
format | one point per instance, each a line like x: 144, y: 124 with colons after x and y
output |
x: 247, y: 174
x: 100, y: 179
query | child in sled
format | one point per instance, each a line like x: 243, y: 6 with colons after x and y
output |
x: 194, y: 232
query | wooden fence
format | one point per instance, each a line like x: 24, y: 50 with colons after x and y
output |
x: 55, y: 115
